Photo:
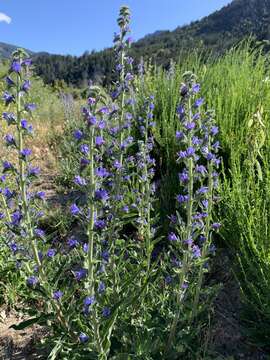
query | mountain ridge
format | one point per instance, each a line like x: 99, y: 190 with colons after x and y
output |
x: 217, y: 32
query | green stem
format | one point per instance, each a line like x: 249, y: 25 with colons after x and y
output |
x: 90, y: 230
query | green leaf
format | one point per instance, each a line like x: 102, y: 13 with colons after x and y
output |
x: 27, y: 323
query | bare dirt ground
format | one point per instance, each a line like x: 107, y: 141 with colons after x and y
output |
x: 18, y: 344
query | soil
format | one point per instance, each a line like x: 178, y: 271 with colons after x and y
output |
x: 18, y: 344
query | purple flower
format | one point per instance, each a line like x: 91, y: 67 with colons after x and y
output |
x: 16, y: 66
x: 32, y: 280
x: 168, y: 280
x: 16, y: 218
x: 196, y: 88
x: 182, y: 154
x: 30, y: 107
x: 101, y: 287
x: 7, y: 166
x: 26, y: 152
x: 2, y: 216
x: 216, y: 226
x: 183, y: 176
x: 101, y: 172
x: 39, y: 233
x: 202, y: 190
x: 183, y: 90
x: 8, y: 98
x: 78, y: 134
x: 27, y: 62
x: 190, y: 125
x: 74, y: 210
x: 99, y: 141
x: 179, y: 135
x: 13, y: 247
x: 172, y: 237
x: 80, y: 274
x: 40, y: 195
x: 91, y: 101
x: 78, y: 180
x: 182, y: 198
x: 102, y: 195
x: 72, y: 243
x: 188, y: 241
x: 84, y: 149
x: 190, y: 151
x: 200, y: 169
x: 34, y: 171
x: 10, y: 140
x: 89, y: 300
x: 83, y: 338
x: 106, y: 312
x: 198, y: 102
x: 100, y: 224
x: 9, y: 117
x: 57, y: 295
x: 196, y: 251
x: 9, y: 81
x: 105, y: 255
x: 214, y: 130
x: 26, y: 86
x: 51, y: 253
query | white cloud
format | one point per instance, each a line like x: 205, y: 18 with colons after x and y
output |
x: 5, y: 18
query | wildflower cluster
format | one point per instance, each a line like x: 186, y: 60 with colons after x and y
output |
x: 93, y: 283
x: 190, y: 236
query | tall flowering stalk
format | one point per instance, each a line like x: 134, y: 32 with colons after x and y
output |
x: 22, y: 204
x: 191, y: 243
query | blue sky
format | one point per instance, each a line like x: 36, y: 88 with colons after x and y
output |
x: 74, y: 26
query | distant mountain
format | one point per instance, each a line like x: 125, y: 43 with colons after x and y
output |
x: 217, y: 32
x: 6, y: 50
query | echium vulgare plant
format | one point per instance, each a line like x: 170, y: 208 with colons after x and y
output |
x: 190, y: 236
x: 105, y: 263
x: 20, y: 202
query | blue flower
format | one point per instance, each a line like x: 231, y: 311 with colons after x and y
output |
x: 10, y: 140
x: 106, y: 312
x: 198, y: 102
x: 40, y: 195
x: 101, y: 287
x: 84, y: 148
x: 172, y: 237
x: 8, y: 98
x: 80, y: 181
x: 57, y: 295
x: 16, y: 218
x: 16, y: 66
x: 9, y: 117
x: 80, y: 274
x: 39, y: 233
x: 26, y: 86
x: 83, y: 338
x: 30, y: 107
x: 74, y: 210
x: 101, y: 195
x: 99, y: 141
x: 32, y: 280
x: 102, y: 172
x: 72, y: 243
x: 78, y: 134
x: 9, y: 81
x: 26, y: 152
x: 89, y: 300
x: 51, y: 253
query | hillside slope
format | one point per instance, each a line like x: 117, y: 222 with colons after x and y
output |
x: 216, y: 32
